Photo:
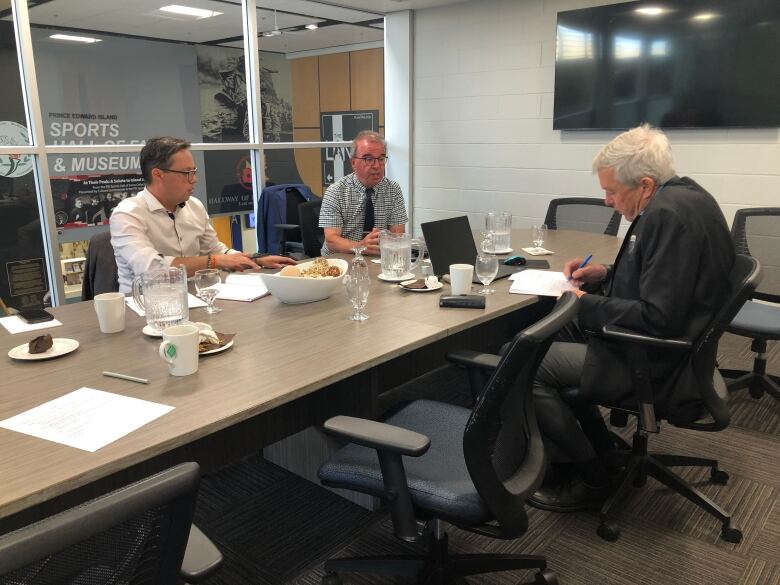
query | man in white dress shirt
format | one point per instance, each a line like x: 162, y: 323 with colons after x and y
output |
x: 163, y: 226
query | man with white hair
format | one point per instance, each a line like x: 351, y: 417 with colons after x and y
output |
x: 668, y: 280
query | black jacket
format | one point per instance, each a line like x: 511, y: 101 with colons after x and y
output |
x: 669, y: 279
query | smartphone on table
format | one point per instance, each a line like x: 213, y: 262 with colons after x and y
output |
x: 35, y: 315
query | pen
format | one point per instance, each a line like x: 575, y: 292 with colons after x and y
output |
x: 583, y: 264
x: 126, y: 377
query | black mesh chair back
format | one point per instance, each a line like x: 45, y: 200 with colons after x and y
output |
x: 312, y: 235
x: 502, y: 445
x: 743, y: 280
x: 582, y: 214
x: 756, y: 232
x: 100, y: 272
x: 136, y: 535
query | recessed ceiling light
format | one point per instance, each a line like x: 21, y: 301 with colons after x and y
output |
x: 312, y: 26
x: 705, y: 16
x: 650, y: 11
x: 74, y: 39
x: 190, y: 11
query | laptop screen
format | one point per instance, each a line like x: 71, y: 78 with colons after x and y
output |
x: 449, y: 241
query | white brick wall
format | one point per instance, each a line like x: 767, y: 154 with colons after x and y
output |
x: 483, y: 138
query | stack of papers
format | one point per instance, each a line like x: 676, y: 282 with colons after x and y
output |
x: 540, y: 282
x: 242, y: 287
x: 537, y: 251
x: 14, y: 324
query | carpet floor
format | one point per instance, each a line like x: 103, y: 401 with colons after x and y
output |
x: 276, y: 528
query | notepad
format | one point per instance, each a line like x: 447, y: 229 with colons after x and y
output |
x: 540, y: 282
x: 242, y: 287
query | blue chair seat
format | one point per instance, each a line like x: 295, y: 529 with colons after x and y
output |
x: 757, y: 320
x: 438, y: 481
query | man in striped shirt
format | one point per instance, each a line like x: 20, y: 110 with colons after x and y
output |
x: 358, y: 206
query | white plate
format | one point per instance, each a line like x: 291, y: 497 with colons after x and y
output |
x: 60, y: 346
x: 404, y: 283
x: 217, y: 349
x: 152, y: 332
x: 505, y: 251
x: 406, y: 276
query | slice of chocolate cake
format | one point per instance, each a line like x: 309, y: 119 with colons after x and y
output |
x: 40, y: 344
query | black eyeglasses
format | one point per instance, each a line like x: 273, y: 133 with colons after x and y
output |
x: 190, y: 174
x: 369, y: 160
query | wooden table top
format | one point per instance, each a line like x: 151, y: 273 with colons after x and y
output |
x: 280, y: 353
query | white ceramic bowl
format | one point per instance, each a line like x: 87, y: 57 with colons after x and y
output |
x: 295, y: 289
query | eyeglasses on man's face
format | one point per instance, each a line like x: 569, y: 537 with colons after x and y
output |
x: 369, y: 160
x: 190, y: 174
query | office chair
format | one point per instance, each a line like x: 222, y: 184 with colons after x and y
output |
x: 312, y: 234
x: 100, y: 271
x: 290, y: 231
x: 470, y: 468
x: 755, y: 232
x: 137, y: 534
x: 277, y: 213
x: 638, y: 462
x: 583, y: 214
x: 635, y: 458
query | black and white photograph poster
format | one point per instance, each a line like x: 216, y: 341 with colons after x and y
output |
x: 338, y: 126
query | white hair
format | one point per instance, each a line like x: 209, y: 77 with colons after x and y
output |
x: 368, y: 136
x: 640, y: 152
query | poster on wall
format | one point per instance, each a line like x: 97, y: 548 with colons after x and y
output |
x: 90, y: 97
x: 337, y: 126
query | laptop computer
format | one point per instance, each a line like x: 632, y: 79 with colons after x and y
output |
x: 449, y: 241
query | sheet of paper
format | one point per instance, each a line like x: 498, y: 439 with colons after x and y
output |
x: 241, y: 292
x: 86, y: 418
x: 540, y: 282
x: 537, y: 251
x: 193, y: 302
x: 14, y: 324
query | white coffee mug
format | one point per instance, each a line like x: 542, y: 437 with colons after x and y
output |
x: 110, y: 309
x: 460, y: 278
x: 180, y: 349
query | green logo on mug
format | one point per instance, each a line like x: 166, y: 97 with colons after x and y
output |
x: 170, y: 351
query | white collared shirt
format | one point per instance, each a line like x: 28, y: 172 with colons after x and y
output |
x: 145, y: 237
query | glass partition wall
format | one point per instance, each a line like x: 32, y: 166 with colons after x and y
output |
x: 85, y: 87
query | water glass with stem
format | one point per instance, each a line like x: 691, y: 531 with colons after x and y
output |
x: 486, y: 268
x: 207, y: 285
x: 538, y: 235
x: 357, y: 287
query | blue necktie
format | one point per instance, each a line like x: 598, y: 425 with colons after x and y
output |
x: 368, y: 221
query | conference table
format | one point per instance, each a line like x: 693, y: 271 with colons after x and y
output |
x: 290, y: 367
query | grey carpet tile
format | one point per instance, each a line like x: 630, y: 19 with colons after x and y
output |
x: 761, y: 415
x: 751, y: 455
x: 760, y: 573
x: 644, y: 555
x: 767, y: 544
x: 747, y: 501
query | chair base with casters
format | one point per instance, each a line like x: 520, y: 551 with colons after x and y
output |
x: 438, y: 567
x: 761, y: 322
x: 639, y: 463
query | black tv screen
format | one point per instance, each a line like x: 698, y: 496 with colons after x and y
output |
x: 672, y: 63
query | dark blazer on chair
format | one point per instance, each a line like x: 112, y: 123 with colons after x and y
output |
x: 272, y: 210
x: 669, y: 279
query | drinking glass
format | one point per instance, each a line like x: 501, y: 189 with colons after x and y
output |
x: 357, y: 286
x: 359, y: 265
x: 486, y: 268
x: 539, y: 233
x: 207, y: 284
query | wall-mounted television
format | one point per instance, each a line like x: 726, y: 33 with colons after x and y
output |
x: 672, y: 63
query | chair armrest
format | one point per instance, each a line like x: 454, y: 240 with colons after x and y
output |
x: 378, y: 435
x: 622, y: 334
x: 201, y: 558
x: 286, y: 226
x: 474, y: 359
